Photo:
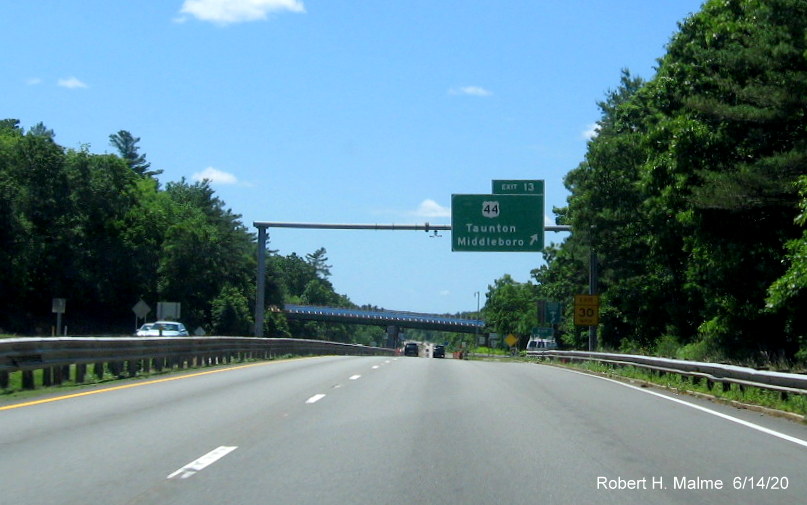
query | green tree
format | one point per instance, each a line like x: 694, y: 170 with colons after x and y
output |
x: 511, y: 307
x: 13, y: 230
x: 126, y: 144
x: 231, y: 313
x: 687, y: 192
x: 204, y: 249
x: 319, y: 261
x: 40, y: 130
x: 788, y: 294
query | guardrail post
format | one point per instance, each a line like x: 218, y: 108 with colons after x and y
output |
x: 28, y: 379
x: 58, y: 375
x: 81, y: 372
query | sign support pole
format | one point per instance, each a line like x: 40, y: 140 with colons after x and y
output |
x: 260, y: 292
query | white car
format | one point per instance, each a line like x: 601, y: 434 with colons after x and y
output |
x: 163, y: 329
x: 143, y: 331
x: 541, y: 344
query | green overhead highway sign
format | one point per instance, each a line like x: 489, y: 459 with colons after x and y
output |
x: 518, y: 188
x: 497, y: 223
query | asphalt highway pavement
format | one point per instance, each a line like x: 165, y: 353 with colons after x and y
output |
x: 373, y: 430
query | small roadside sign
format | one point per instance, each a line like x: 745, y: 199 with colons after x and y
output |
x: 586, y: 310
x: 58, y: 305
x: 511, y: 340
x: 141, y: 309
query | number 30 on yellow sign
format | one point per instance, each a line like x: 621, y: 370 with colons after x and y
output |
x: 586, y: 310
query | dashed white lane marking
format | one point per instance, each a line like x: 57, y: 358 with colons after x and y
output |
x: 355, y: 377
x: 200, y: 464
x: 375, y: 367
x: 315, y: 398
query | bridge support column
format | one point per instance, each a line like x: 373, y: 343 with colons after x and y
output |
x: 393, y: 337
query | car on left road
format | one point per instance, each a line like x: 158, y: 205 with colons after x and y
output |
x: 143, y: 331
x: 163, y: 329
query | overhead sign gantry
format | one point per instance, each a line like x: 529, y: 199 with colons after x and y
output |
x: 509, y: 219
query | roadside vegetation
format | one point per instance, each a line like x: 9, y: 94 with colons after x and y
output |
x: 101, y: 231
x: 739, y: 396
x: 693, y: 195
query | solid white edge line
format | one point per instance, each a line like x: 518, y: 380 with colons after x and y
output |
x: 727, y: 417
x: 315, y: 398
x: 200, y: 464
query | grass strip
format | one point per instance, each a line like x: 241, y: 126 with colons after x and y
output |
x: 733, y: 394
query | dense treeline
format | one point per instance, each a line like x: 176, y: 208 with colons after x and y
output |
x: 689, y: 195
x: 99, y: 231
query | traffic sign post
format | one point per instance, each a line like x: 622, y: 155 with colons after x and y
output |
x: 497, y: 223
x: 549, y: 312
x: 141, y: 310
x: 58, y: 307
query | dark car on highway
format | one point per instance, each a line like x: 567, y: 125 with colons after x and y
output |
x: 439, y: 351
x: 411, y: 349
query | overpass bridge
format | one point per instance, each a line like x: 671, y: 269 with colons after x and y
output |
x: 393, y: 320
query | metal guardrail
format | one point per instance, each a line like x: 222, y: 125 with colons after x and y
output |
x: 126, y: 354
x: 790, y: 383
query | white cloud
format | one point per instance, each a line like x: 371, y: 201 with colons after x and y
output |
x: 591, y: 131
x: 33, y: 81
x: 430, y: 208
x: 470, y: 91
x: 71, y: 83
x: 236, y: 11
x: 215, y: 176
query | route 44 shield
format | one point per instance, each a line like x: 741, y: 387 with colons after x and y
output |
x: 490, y: 209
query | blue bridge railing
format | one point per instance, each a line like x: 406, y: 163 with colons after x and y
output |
x: 384, y: 317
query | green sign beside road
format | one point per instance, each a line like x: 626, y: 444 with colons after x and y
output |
x: 543, y: 332
x: 498, y: 223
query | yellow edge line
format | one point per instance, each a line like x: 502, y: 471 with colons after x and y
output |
x: 134, y: 385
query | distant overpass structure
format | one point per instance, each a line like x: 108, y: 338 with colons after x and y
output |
x: 393, y: 320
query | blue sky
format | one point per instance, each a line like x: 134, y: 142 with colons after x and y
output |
x: 363, y: 111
